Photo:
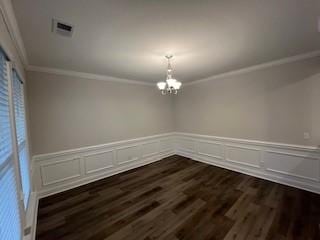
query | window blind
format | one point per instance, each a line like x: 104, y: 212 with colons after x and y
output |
x: 20, y: 121
x: 10, y: 225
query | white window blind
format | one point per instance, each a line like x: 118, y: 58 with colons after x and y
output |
x: 10, y: 225
x: 20, y: 121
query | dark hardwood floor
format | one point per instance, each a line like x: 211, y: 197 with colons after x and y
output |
x: 178, y: 198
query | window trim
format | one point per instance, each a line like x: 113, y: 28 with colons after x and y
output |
x: 10, y: 67
x: 15, y: 146
x: 25, y: 142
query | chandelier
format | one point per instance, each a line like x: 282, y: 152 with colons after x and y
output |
x: 171, y: 85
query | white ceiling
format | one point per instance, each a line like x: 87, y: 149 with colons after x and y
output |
x: 128, y: 38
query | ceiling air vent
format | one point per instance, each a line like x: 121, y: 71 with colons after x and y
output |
x: 62, y: 28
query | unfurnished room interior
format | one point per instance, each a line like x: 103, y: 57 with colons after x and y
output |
x: 160, y: 120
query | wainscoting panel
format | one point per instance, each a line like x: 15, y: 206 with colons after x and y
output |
x: 293, y: 165
x: 166, y: 145
x: 297, y: 166
x: 211, y: 149
x: 98, y: 162
x: 60, y: 171
x: 150, y: 149
x: 57, y: 172
x: 304, y: 167
x: 128, y: 154
x: 186, y: 145
x: 243, y: 155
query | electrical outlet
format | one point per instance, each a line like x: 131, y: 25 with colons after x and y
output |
x: 306, y: 135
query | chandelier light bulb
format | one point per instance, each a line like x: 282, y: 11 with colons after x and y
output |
x: 177, y: 85
x: 161, y: 85
x: 171, y: 82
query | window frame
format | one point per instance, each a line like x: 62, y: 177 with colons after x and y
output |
x: 16, y: 142
x: 15, y: 147
x: 10, y: 67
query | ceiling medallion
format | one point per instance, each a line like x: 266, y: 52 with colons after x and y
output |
x: 171, y: 85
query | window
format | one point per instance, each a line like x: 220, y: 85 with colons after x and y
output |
x: 20, y: 122
x: 10, y: 218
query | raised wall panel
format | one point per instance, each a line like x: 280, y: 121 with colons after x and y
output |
x: 243, y: 155
x: 186, y: 145
x: 60, y: 171
x: 211, y: 149
x: 128, y: 154
x: 296, y: 166
x: 149, y: 149
x: 165, y: 145
x: 56, y: 172
x: 292, y: 165
x: 98, y: 162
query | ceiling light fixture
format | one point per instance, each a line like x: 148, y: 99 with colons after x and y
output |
x: 171, y: 85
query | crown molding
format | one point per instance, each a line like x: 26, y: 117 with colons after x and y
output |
x: 300, y: 57
x: 262, y: 66
x: 11, y: 23
x: 84, y: 75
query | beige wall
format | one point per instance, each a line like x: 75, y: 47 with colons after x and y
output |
x: 277, y: 104
x: 67, y: 112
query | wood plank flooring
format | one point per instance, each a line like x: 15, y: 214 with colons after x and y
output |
x: 178, y: 198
